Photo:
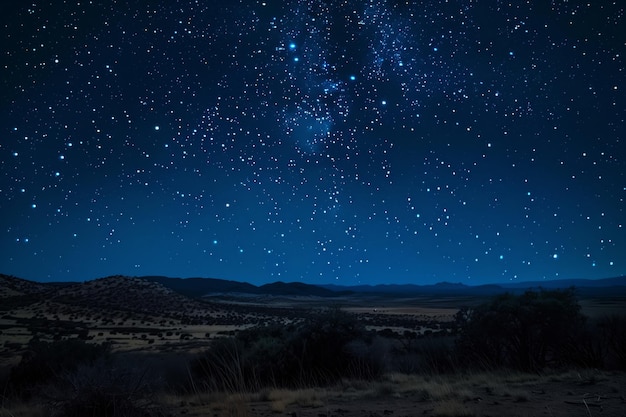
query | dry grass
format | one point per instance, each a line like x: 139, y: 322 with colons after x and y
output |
x: 238, y: 405
x: 23, y: 410
x: 452, y: 408
x: 463, y: 388
x: 233, y: 406
x: 462, y: 394
x: 213, y: 404
x: 450, y: 395
x: 309, y: 398
x: 581, y: 376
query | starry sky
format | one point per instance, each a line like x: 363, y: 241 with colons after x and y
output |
x: 346, y: 142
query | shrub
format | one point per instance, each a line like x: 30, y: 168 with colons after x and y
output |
x: 45, y: 360
x: 431, y: 354
x: 316, y: 351
x: 613, y: 336
x: 527, y: 331
x: 100, y: 390
x: 587, y: 346
x: 322, y: 347
x: 220, y: 368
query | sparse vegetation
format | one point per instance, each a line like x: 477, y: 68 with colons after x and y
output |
x: 235, y: 358
x: 45, y: 361
x: 316, y: 351
x: 612, y: 336
x: 529, y: 331
x: 100, y: 390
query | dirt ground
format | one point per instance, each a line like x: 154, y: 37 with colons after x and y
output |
x: 571, y: 394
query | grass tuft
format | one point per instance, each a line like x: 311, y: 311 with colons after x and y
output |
x: 310, y: 398
x: 452, y: 408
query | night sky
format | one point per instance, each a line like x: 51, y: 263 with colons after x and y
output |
x: 346, y: 142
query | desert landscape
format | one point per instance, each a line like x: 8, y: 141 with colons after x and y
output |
x: 312, y: 208
x: 129, y: 346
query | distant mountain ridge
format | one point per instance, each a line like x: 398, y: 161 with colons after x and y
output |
x: 588, y: 286
x: 211, y: 286
x: 413, y: 289
x: 201, y: 287
x: 565, y: 283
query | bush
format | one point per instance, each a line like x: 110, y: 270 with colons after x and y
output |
x: 526, y: 332
x: 432, y: 354
x: 323, y: 348
x: 45, y: 360
x: 587, y: 347
x: 100, y: 390
x: 319, y: 350
x: 613, y: 336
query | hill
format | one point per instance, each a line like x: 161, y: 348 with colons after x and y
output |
x: 198, y: 287
x: 124, y: 293
x: 11, y: 286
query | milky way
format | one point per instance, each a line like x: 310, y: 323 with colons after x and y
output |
x: 364, y: 141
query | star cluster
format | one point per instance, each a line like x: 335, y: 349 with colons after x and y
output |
x: 366, y: 141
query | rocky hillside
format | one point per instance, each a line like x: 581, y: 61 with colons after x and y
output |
x: 11, y: 287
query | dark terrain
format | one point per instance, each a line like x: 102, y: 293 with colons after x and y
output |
x: 171, y: 321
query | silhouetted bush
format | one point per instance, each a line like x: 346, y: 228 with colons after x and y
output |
x: 613, y: 336
x: 45, y: 360
x: 528, y: 331
x: 432, y: 354
x: 102, y: 390
x: 586, y: 347
x: 323, y: 348
x: 317, y: 351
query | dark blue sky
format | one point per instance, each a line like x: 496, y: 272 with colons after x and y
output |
x: 367, y: 141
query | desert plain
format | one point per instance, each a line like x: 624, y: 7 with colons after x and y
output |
x: 156, y: 332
